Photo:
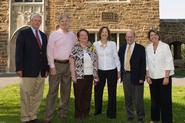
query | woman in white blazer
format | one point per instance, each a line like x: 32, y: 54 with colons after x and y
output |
x: 160, y: 68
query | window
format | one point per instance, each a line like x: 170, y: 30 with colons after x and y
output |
x: 92, y: 37
x: 113, y: 37
x: 118, y: 38
x: 122, y: 39
x: 28, y: 0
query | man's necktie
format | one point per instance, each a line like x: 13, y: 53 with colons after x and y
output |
x: 128, y: 56
x: 38, y: 39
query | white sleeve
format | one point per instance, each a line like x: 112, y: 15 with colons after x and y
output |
x: 169, y: 64
x: 115, y: 53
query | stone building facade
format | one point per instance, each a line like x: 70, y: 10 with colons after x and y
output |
x: 118, y: 15
x: 3, y: 34
x: 173, y: 32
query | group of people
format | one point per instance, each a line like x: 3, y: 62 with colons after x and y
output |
x: 67, y: 57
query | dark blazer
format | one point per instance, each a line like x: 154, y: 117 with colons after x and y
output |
x: 30, y: 59
x: 137, y: 63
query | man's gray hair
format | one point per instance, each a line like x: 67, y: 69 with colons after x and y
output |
x: 61, y: 17
x: 35, y: 15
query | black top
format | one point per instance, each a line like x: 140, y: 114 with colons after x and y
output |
x: 137, y: 63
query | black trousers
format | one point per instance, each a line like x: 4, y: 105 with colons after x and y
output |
x: 161, y: 100
x: 111, y: 77
x: 82, y: 93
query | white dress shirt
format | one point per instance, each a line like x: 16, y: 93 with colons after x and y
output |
x: 131, y: 48
x: 159, y: 61
x: 34, y: 32
x: 59, y: 46
x: 88, y: 64
x: 107, y: 57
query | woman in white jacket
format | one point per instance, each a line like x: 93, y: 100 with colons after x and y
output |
x: 160, y: 68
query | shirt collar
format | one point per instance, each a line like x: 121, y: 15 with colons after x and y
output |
x: 160, y: 42
x: 132, y: 45
x: 61, y: 31
x: 34, y: 30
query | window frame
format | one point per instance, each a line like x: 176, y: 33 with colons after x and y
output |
x: 117, y: 32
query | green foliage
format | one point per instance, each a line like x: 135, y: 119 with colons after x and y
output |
x: 9, y: 107
x: 179, y: 73
x: 183, y: 51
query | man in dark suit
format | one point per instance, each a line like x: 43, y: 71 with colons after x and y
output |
x: 133, y: 69
x: 32, y: 68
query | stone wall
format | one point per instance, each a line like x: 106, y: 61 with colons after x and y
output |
x: 172, y: 30
x: 140, y: 15
x: 3, y: 34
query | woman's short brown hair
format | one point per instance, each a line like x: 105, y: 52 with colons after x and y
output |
x: 78, y: 33
x: 100, y: 31
x: 154, y: 31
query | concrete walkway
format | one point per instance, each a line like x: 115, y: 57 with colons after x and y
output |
x: 5, y: 81
x: 178, y: 81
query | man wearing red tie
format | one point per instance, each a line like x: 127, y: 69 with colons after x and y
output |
x: 32, y: 68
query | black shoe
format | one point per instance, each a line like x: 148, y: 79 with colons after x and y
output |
x: 141, y: 120
x: 97, y: 113
x: 130, y: 119
x: 111, y: 117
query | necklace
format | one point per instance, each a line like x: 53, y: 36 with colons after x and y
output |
x: 104, y: 45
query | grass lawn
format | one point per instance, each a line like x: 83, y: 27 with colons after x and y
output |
x: 9, y: 107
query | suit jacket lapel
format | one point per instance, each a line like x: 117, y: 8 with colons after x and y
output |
x: 134, y: 52
x: 43, y: 40
x: 32, y: 35
x: 124, y: 51
x: 34, y: 38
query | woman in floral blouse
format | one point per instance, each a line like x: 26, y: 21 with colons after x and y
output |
x: 83, y: 65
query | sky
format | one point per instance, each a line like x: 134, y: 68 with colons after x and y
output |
x: 172, y: 9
